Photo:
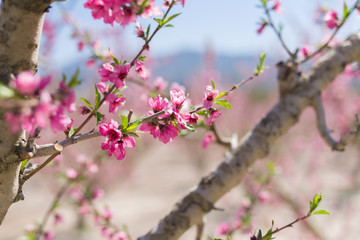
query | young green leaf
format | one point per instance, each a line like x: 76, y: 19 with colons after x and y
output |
x: 99, y: 118
x: 322, y: 212
x: 23, y: 163
x: 260, y: 67
x: 315, y: 203
x: 6, y: 92
x: 97, y: 97
x: 159, y: 21
x: 222, y: 94
x: 168, y: 25
x: 71, y: 131
x: 87, y: 102
x: 346, y: 11
x: 259, y: 236
x: 224, y: 103
x: 74, y: 81
x: 124, y: 121
x: 132, y: 125
x: 213, y: 83
x: 142, y: 58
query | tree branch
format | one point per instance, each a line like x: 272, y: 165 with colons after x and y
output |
x: 257, y: 143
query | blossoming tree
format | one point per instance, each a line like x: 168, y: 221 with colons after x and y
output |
x: 28, y: 107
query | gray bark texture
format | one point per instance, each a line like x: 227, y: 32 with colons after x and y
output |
x: 297, y: 91
x: 21, y: 24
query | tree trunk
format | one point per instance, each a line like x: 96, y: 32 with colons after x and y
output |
x: 21, y: 24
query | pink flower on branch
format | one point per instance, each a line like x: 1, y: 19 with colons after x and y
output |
x: 114, y: 102
x: 277, y: 8
x: 141, y: 70
x: 331, y: 19
x: 119, y: 74
x: 209, y: 96
x: 158, y: 103
x: 177, y: 98
x: 262, y: 26
x: 208, y: 138
x: 214, y: 114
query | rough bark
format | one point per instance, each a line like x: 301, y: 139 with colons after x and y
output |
x: 296, y: 94
x: 21, y: 24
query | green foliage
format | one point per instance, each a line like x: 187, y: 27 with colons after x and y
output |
x: 74, y: 80
x: 99, y: 118
x: 345, y: 12
x: 23, y: 163
x: 6, y: 92
x: 260, y: 67
x: 87, y: 102
x: 224, y: 103
x: 97, y: 98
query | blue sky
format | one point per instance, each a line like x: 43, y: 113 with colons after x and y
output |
x: 228, y: 26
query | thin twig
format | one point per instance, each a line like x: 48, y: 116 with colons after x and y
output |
x: 332, y: 35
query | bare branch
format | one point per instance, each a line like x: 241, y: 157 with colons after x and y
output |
x: 324, y: 131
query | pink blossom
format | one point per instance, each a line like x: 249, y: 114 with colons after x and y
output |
x: 114, y: 102
x: 106, y: 232
x: 177, y: 97
x: 223, y: 228
x: 160, y: 83
x: 84, y: 209
x: 262, y: 26
x: 92, y: 167
x: 107, y: 214
x: 90, y: 63
x: 49, y: 235
x: 110, y: 130
x: 214, y: 114
x: 27, y: 83
x: 191, y: 118
x: 330, y: 19
x: 80, y: 45
x: 277, y: 8
x: 102, y: 87
x: 71, y: 173
x: 167, y: 133
x: 120, y: 236
x: 57, y: 219
x: 13, y: 121
x: 208, y: 138
x: 84, y: 110
x: 158, y: 103
x: 182, y: 2
x: 305, y: 51
x: 139, y: 31
x: 151, y: 10
x: 105, y: 72
x: 119, y: 75
x: 264, y: 197
x: 97, y: 193
x: 67, y: 97
x: 209, y: 96
x: 141, y: 70
x: 59, y: 120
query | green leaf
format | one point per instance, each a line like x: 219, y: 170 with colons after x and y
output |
x: 132, y: 134
x: 159, y: 21
x: 115, y: 59
x: 132, y: 125
x: 264, y: 2
x: 142, y: 58
x: 23, y: 163
x: 168, y: 25
x: 71, y: 131
x: 260, y: 67
x: 147, y: 31
x: 346, y: 11
x: 124, y: 121
x: 222, y: 94
x: 74, y: 81
x: 224, y: 103
x: 190, y: 127
x: 97, y: 97
x: 315, y: 203
x: 259, y: 236
x: 322, y: 212
x: 87, y: 102
x: 172, y: 17
x: 99, y: 118
x: 213, y: 83
x: 203, y: 113
x: 6, y: 92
